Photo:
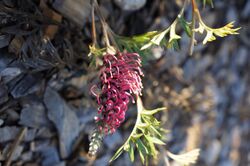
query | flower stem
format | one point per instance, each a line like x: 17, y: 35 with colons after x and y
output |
x: 103, y: 23
x: 192, y: 39
x: 93, y: 25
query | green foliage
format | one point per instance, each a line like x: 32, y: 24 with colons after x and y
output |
x: 147, y: 132
x: 144, y: 136
x: 96, y: 54
x: 141, y: 43
x: 211, y: 32
x: 168, y: 37
x: 185, y: 25
x: 134, y: 43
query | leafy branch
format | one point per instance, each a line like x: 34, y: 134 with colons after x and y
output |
x: 145, y: 134
x: 141, y: 43
x: 212, y: 32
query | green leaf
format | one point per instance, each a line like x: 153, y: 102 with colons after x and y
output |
x: 151, y: 121
x: 156, y: 140
x: 131, y: 151
x: 142, y: 125
x: 117, y: 154
x: 185, y: 26
x: 152, y: 150
x: 142, y: 157
x: 96, y: 51
x: 156, y: 40
x: 173, y: 45
x: 151, y: 112
x: 128, y: 47
x: 144, y: 37
x: 141, y: 147
x: 155, y: 131
x: 145, y: 124
x: 126, y: 146
x: 136, y: 136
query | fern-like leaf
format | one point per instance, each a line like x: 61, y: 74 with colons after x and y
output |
x: 143, y: 138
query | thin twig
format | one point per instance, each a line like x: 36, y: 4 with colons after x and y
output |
x: 14, y: 146
x: 192, y: 38
x: 195, y: 11
x: 93, y: 25
x: 103, y: 23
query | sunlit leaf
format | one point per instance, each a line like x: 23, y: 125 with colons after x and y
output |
x: 209, y: 37
x: 156, y: 39
x: 155, y: 131
x: 146, y: 46
x: 131, y: 152
x: 136, y: 136
x: 126, y: 146
x: 117, y: 154
x: 144, y: 37
x: 200, y: 29
x: 152, y: 149
x: 142, y: 157
x: 226, y: 30
x: 151, y: 112
x: 186, y: 158
x: 142, y: 125
x: 93, y: 50
x: 172, y: 34
x: 155, y: 140
x: 211, y: 32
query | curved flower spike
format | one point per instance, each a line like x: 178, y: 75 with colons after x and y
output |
x: 120, y: 78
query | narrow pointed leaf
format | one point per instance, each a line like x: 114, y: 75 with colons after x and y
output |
x: 142, y: 157
x: 136, y: 136
x: 131, y: 152
x: 185, y: 26
x: 155, y: 131
x: 141, y: 147
x: 156, y: 140
x: 117, y: 154
x: 152, y: 150
x: 151, y: 112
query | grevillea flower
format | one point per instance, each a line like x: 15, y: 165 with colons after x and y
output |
x: 120, y: 78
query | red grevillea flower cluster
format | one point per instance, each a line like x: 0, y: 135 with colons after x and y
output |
x: 120, y: 78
